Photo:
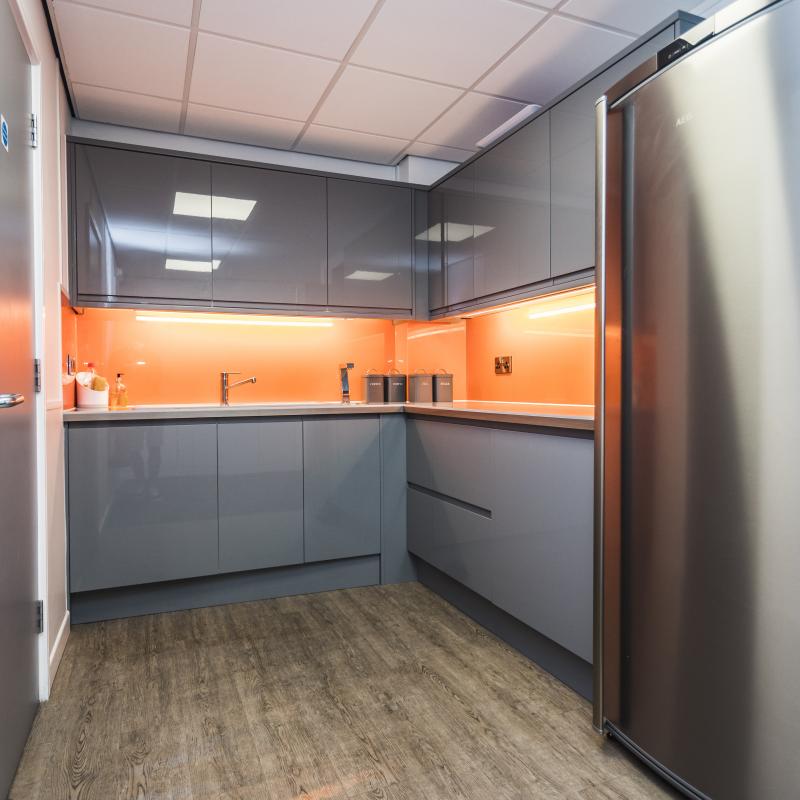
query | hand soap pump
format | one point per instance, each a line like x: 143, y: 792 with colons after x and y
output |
x: 121, y: 392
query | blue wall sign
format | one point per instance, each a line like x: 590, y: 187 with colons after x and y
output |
x: 4, y: 132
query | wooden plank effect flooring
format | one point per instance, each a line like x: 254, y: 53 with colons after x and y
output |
x: 381, y: 692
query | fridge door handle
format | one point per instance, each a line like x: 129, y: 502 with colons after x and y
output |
x: 11, y: 400
x: 601, y: 121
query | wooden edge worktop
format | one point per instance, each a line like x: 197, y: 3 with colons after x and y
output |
x: 530, y: 414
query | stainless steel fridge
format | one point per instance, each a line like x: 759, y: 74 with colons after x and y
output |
x: 697, y: 635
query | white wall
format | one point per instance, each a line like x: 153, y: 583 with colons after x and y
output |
x: 50, y: 227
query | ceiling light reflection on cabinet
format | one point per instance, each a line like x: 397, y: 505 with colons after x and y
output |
x: 454, y: 232
x: 182, y: 265
x: 188, y: 204
x: 368, y: 275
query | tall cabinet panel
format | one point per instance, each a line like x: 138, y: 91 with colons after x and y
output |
x: 260, y: 494
x: 142, y: 503
x: 572, y: 124
x: 268, y: 236
x: 459, y: 235
x: 342, y: 487
x: 370, y: 260
x: 512, y: 211
x: 142, y: 225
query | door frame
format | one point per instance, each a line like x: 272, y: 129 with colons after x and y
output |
x: 26, y: 32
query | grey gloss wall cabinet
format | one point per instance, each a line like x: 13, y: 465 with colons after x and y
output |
x: 572, y: 126
x: 175, y: 231
x: 139, y: 226
x: 434, y: 236
x: 142, y: 503
x: 512, y: 211
x: 508, y: 513
x: 458, y: 234
x: 260, y: 493
x: 370, y: 261
x: 277, y: 254
x: 342, y: 484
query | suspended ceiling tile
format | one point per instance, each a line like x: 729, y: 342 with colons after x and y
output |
x: 449, y: 41
x: 178, y: 12
x: 354, y: 145
x: 239, y: 126
x: 389, y: 105
x: 557, y: 55
x: 629, y: 15
x: 257, y: 79
x: 104, y: 48
x: 126, y: 108
x: 470, y: 119
x: 323, y: 29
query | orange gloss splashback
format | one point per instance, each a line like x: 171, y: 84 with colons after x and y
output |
x: 170, y: 357
x: 176, y: 357
x: 551, y: 343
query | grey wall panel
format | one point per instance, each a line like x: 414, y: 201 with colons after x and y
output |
x: 396, y: 564
x: 142, y: 503
x: 512, y: 211
x: 260, y: 494
x: 278, y: 254
x: 370, y: 238
x: 131, y: 240
x: 342, y: 487
x: 543, y: 512
x: 572, y: 124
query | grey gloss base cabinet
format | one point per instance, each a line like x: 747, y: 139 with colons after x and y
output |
x: 154, y: 229
x: 508, y: 513
x: 166, y: 501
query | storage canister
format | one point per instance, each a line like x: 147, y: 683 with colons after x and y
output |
x: 395, y: 383
x: 420, y: 388
x: 373, y: 387
x: 443, y: 387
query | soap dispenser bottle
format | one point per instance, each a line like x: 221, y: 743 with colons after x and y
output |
x: 121, y: 392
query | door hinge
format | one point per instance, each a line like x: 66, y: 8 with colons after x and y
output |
x: 40, y: 616
x: 37, y: 375
x: 34, y: 130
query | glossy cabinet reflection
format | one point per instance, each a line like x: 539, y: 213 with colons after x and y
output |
x: 437, y: 297
x: 509, y: 515
x: 260, y: 494
x: 268, y: 236
x: 458, y: 205
x: 369, y: 245
x: 142, y: 225
x: 342, y: 487
x: 512, y: 211
x: 142, y: 503
x: 572, y: 135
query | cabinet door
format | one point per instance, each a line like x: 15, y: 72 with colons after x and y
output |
x: 572, y: 129
x: 260, y: 494
x: 342, y: 487
x: 436, y: 289
x: 142, y: 225
x: 459, y: 235
x: 142, y: 503
x: 369, y: 245
x: 512, y: 211
x: 543, y: 518
x: 268, y: 236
